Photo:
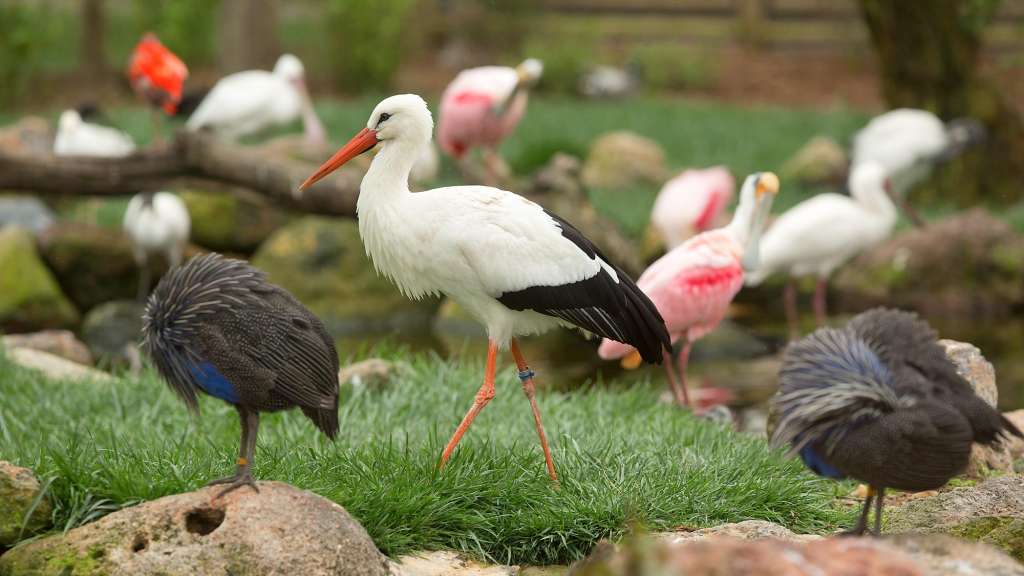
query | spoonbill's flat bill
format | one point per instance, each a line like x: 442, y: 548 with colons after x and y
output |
x: 515, y: 267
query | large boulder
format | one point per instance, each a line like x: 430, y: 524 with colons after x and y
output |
x: 279, y: 531
x: 92, y: 264
x: 820, y: 161
x: 24, y: 509
x: 969, y: 264
x: 231, y: 222
x: 113, y: 330
x: 322, y: 262
x: 25, y: 211
x: 622, y: 160
x: 62, y: 343
x: 30, y: 297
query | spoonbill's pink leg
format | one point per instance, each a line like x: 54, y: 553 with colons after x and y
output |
x: 684, y: 360
x: 526, y: 376
x: 820, y: 305
x: 678, y: 392
x: 789, y: 302
x: 483, y: 396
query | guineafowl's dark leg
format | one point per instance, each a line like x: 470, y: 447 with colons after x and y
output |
x: 243, y: 472
x: 789, y: 303
x: 526, y: 376
x: 878, y: 511
x: 862, y: 523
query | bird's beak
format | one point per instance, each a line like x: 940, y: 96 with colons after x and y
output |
x: 632, y: 361
x: 360, y: 143
x: 764, y: 193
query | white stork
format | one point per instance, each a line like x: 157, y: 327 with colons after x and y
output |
x: 156, y: 223
x: 515, y: 267
x: 247, y: 102
x: 76, y: 137
x: 909, y: 143
x: 820, y: 234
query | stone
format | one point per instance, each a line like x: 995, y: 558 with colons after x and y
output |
x: 279, y: 531
x: 945, y: 555
x: 369, y: 373
x: 62, y: 343
x: 447, y: 563
x: 231, y: 222
x: 93, y: 264
x: 322, y: 262
x: 1014, y: 445
x: 29, y: 136
x: 746, y: 530
x: 30, y: 297
x: 622, y: 160
x: 25, y: 211
x: 927, y: 269
x: 113, y: 331
x: 54, y: 367
x: 820, y: 161
x: 991, y: 512
x: 24, y: 508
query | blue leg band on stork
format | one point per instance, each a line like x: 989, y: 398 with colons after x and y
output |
x: 527, y: 374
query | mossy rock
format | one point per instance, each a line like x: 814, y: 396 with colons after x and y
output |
x: 1002, y: 532
x: 20, y: 494
x: 323, y: 263
x: 91, y: 263
x: 229, y: 223
x: 30, y: 297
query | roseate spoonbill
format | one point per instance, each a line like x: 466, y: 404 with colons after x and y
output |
x: 879, y: 401
x: 244, y: 103
x: 76, y: 137
x: 691, y: 203
x: 156, y: 75
x: 694, y: 283
x: 909, y: 143
x: 156, y: 222
x: 481, y: 107
x: 218, y: 327
x: 820, y: 234
x: 515, y: 267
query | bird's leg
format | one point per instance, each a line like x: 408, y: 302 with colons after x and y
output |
x: 820, y: 302
x: 789, y: 303
x: 243, y: 471
x: 526, y: 376
x: 158, y: 137
x: 143, y: 280
x: 497, y: 171
x: 678, y: 393
x: 879, y: 498
x: 174, y: 256
x: 862, y: 523
x: 910, y: 211
x: 483, y: 396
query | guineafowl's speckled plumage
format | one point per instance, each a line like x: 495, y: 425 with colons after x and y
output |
x: 880, y: 402
x: 215, y: 325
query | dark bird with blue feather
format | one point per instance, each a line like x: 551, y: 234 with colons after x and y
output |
x: 216, y: 326
x: 880, y: 402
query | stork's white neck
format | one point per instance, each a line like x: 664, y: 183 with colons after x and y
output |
x: 387, y: 180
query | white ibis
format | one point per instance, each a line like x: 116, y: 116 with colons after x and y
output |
x: 820, y: 234
x: 909, y: 143
x: 691, y: 203
x: 76, y: 137
x: 515, y: 267
x: 156, y: 223
x: 481, y: 107
x: 694, y: 283
x: 247, y: 102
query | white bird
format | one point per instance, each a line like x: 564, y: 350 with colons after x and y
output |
x: 691, y: 203
x: 156, y: 223
x: 76, y: 137
x: 909, y: 143
x: 247, y: 102
x: 820, y: 234
x: 515, y: 267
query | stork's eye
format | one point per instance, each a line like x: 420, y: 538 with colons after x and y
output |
x: 383, y: 116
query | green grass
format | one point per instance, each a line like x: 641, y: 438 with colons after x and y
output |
x: 623, y: 458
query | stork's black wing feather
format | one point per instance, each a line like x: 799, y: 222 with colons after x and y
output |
x: 611, y: 306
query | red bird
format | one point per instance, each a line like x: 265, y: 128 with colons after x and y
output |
x: 156, y: 74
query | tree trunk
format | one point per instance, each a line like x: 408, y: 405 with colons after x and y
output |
x: 928, y: 54
x: 92, y: 42
x: 247, y: 35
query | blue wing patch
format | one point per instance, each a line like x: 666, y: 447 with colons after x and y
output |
x: 818, y: 465
x: 211, y: 381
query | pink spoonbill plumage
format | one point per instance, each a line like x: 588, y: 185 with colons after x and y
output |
x: 518, y: 269
x: 693, y: 284
x: 481, y: 107
x: 691, y: 203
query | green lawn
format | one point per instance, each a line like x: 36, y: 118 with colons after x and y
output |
x: 623, y: 458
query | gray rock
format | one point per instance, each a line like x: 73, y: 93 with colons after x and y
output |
x: 820, y: 161
x: 25, y: 211
x: 231, y: 222
x: 62, y: 343
x: 279, y: 531
x: 24, y: 511
x: 92, y: 264
x: 113, y: 331
x: 447, y: 563
x: 54, y: 367
x: 746, y: 530
x: 622, y: 160
x: 942, y: 555
x: 369, y: 373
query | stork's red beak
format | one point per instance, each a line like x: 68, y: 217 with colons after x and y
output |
x: 360, y: 143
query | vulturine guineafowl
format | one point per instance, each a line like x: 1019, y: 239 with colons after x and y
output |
x: 215, y: 325
x: 880, y: 402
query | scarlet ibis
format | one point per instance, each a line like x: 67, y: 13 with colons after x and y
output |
x: 820, y: 234
x: 247, y: 102
x: 77, y: 137
x: 880, y: 402
x: 157, y: 75
x: 481, y: 107
x: 156, y: 223
x: 691, y: 203
x: 694, y: 283
x: 909, y: 143
x: 515, y: 267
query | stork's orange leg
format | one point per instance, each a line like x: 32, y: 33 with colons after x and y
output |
x: 526, y: 375
x: 483, y: 396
